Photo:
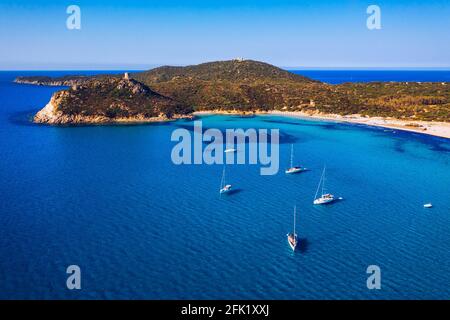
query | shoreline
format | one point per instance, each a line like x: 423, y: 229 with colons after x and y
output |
x: 51, y: 116
x: 437, y: 129
x: 98, y: 120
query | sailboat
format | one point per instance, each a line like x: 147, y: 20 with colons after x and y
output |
x: 325, y: 197
x: 292, y: 237
x: 292, y: 168
x: 224, y: 188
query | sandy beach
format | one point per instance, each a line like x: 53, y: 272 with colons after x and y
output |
x: 439, y: 129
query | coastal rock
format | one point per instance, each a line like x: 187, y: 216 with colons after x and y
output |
x: 50, y: 113
x: 66, y: 81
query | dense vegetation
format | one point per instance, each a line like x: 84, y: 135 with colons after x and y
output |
x: 117, y: 98
x: 247, y: 71
x: 243, y: 85
x: 409, y: 100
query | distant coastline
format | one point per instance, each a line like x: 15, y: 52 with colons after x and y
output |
x: 243, y: 86
x: 438, y: 129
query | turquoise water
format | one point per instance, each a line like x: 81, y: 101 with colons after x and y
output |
x: 109, y: 199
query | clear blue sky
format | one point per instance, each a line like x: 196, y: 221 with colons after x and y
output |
x: 138, y: 34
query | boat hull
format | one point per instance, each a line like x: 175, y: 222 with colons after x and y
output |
x: 225, y: 189
x: 294, y: 170
x: 292, y: 245
x: 324, y: 201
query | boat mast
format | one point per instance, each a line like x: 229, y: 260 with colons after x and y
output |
x: 320, y: 183
x: 323, y: 180
x: 292, y: 156
x: 222, y: 182
x: 295, y: 210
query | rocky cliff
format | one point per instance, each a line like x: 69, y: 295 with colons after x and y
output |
x: 110, y: 100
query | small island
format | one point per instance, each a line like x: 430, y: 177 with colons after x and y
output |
x: 240, y: 86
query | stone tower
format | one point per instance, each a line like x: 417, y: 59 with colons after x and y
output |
x: 126, y: 76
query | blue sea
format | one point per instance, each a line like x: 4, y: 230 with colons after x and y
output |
x: 110, y: 200
x: 342, y: 76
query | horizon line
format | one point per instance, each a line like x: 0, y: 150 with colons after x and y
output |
x: 123, y: 66
x: 295, y: 68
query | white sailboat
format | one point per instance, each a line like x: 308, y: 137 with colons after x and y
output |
x: 293, y: 169
x: 292, y: 237
x: 224, y: 188
x: 325, y: 197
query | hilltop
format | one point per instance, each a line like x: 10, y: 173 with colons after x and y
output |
x: 243, y: 85
x: 247, y: 71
